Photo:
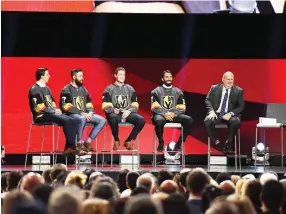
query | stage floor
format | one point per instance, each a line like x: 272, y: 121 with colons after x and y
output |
x: 172, y: 168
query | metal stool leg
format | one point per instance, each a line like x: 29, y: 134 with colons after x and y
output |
x: 239, y: 154
x: 255, y: 162
x: 264, y: 158
x: 282, y: 148
x: 96, y: 153
x: 111, y: 154
x: 43, y: 141
x: 154, y: 147
x: 53, y: 149
x: 235, y: 152
x: 28, y: 145
x: 104, y: 140
x: 133, y: 156
x: 57, y: 145
x: 138, y: 154
x: 183, y: 152
x: 209, y: 151
x: 155, y: 152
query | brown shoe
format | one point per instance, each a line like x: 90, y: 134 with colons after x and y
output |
x: 87, y: 147
x: 79, y: 146
x: 116, y: 145
x: 80, y: 152
x: 69, y: 151
x: 128, y: 145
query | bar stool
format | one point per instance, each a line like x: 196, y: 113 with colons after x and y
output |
x: 224, y: 126
x: 172, y: 126
x: 44, y: 125
x: 111, y: 151
x: 96, y: 148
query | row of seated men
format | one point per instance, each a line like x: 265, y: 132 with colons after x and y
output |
x: 224, y: 102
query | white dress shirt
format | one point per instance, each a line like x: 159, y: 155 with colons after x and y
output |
x: 222, y: 96
x: 41, y: 84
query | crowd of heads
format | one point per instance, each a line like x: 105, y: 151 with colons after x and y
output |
x: 191, y: 191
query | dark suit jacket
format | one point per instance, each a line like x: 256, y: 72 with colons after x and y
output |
x: 235, y: 103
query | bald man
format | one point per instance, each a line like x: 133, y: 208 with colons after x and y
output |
x: 169, y: 187
x: 30, y: 181
x: 225, y: 103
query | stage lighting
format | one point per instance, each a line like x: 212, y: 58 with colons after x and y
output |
x: 170, y: 156
x: 259, y: 153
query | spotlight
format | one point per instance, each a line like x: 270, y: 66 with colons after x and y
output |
x: 259, y: 153
x: 171, y: 157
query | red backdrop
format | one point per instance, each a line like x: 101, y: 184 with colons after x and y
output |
x: 260, y: 79
x: 48, y: 6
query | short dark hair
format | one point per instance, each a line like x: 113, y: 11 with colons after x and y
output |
x: 183, y: 178
x: 140, y: 190
x: 47, y: 175
x: 197, y: 181
x: 42, y: 193
x: 166, y: 71
x: 40, y: 72
x: 75, y: 71
x: 119, y: 69
x: 272, y: 195
x: 4, y: 181
x: 13, y: 179
x: 164, y: 175
x: 121, y: 180
x: 56, y: 170
x: 253, y: 191
x: 131, y: 179
x: 223, y: 176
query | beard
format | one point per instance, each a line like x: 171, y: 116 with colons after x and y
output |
x: 78, y: 83
x: 169, y: 83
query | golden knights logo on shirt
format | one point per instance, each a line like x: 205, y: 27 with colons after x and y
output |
x: 78, y: 102
x: 168, y: 102
x: 49, y: 101
x: 121, y: 101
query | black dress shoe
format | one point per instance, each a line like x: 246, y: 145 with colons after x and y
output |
x: 218, y: 145
x: 160, y: 147
x: 227, y: 148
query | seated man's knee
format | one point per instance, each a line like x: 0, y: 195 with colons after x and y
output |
x: 102, y: 121
x: 113, y: 118
x: 208, y: 123
x: 235, y: 121
x: 160, y: 122
x: 140, y: 120
x: 190, y: 120
x: 72, y: 121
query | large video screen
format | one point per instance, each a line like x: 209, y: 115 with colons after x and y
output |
x: 140, y: 6
x: 263, y: 82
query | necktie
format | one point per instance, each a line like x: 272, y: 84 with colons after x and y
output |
x: 222, y: 110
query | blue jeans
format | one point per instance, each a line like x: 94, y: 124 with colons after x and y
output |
x: 69, y: 126
x: 97, y: 121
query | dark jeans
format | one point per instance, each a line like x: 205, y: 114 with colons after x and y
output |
x: 69, y: 126
x: 159, y: 121
x: 137, y: 120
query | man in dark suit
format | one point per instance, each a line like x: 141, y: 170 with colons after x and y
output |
x: 225, y: 103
